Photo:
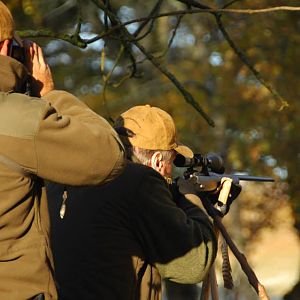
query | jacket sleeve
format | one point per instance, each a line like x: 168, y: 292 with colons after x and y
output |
x: 179, y: 241
x: 74, y: 145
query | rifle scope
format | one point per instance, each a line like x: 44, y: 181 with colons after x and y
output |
x: 211, y: 161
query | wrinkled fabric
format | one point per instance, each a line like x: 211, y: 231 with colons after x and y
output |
x: 58, y: 139
x: 117, y: 240
x: 13, y: 75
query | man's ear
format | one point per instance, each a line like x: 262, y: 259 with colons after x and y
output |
x: 156, y: 161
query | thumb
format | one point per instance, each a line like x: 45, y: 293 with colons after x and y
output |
x: 5, y: 47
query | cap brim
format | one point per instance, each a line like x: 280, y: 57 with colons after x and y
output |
x: 185, y: 151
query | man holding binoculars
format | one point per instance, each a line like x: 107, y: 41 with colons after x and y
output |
x: 39, y: 139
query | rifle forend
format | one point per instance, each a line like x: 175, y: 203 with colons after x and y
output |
x: 209, y: 173
x: 211, y: 182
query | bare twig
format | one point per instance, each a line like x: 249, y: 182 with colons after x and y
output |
x: 106, y: 82
x: 133, y: 63
x: 126, y: 47
x: 122, y: 80
x: 152, y: 14
x: 283, y: 103
x: 194, y: 11
x: 187, y: 96
x: 70, y: 38
x: 83, y: 44
x: 179, y: 18
x: 125, y: 38
x: 105, y: 17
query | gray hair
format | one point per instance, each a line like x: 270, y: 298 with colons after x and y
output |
x: 144, y: 155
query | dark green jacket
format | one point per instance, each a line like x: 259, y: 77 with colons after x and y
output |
x: 115, y: 239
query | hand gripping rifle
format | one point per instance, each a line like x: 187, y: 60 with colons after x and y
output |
x: 210, y: 180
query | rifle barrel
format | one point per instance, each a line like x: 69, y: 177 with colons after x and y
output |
x: 254, y: 178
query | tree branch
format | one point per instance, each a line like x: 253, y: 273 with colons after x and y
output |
x: 283, y: 103
x: 73, y: 39
x: 195, y: 11
x: 68, y: 38
x: 187, y: 96
x: 152, y: 14
x: 106, y: 79
x: 241, y: 55
x: 126, y: 37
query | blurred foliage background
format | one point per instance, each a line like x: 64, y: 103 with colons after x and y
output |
x: 252, y: 131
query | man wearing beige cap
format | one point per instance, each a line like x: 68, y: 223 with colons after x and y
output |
x: 147, y: 130
x: 39, y: 139
x: 117, y: 241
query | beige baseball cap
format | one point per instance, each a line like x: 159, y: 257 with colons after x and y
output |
x: 151, y: 128
x: 6, y: 23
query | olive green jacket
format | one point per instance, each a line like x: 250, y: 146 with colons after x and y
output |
x: 58, y: 139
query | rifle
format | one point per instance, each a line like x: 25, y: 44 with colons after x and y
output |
x: 210, y: 179
x: 211, y: 172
